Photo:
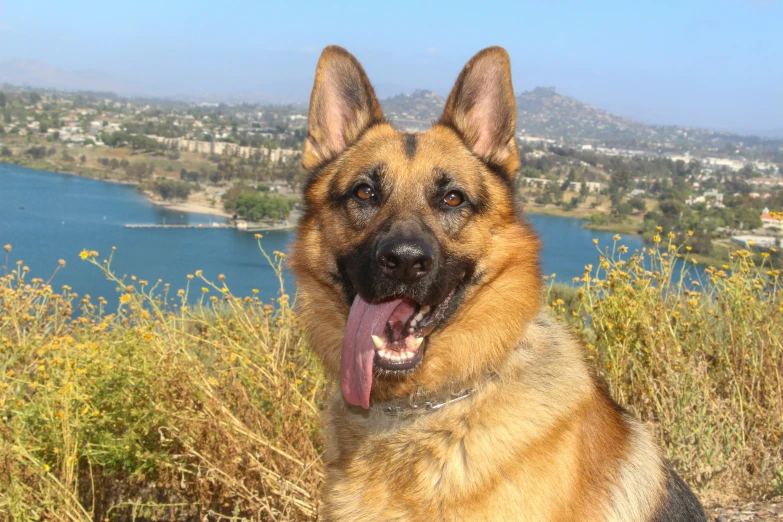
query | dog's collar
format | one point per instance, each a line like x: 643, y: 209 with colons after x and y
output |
x: 413, y: 405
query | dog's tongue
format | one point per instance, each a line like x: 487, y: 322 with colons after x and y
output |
x: 364, y: 320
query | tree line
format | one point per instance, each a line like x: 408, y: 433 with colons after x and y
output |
x: 254, y: 205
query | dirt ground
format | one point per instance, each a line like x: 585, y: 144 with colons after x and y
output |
x: 766, y: 511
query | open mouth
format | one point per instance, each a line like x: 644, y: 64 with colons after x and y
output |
x: 400, y: 347
x: 385, y: 338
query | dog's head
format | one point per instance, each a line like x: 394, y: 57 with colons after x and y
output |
x: 414, y: 267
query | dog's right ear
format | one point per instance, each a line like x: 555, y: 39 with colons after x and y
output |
x: 342, y: 106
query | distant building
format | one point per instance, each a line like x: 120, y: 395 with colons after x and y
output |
x: 592, y: 186
x: 712, y: 198
x: 757, y: 242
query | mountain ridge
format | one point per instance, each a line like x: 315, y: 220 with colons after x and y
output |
x: 39, y: 74
x: 545, y: 114
x: 542, y: 113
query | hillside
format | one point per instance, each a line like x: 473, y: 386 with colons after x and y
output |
x: 544, y: 113
x: 415, y: 111
x: 42, y: 75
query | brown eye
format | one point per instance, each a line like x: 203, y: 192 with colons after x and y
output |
x: 364, y: 192
x: 453, y: 199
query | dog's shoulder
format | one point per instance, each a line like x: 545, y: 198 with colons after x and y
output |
x: 679, y: 503
x: 645, y: 487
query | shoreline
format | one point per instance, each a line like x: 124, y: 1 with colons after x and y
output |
x: 87, y: 173
x: 196, y: 204
x: 191, y: 207
x: 584, y: 215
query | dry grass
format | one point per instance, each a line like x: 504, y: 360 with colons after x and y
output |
x: 701, y: 356
x: 158, y: 411
x: 151, y: 408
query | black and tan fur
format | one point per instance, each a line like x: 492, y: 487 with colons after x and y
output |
x: 539, y: 439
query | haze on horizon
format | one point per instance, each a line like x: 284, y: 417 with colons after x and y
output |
x: 712, y: 64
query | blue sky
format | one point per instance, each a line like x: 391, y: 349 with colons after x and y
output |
x: 716, y: 64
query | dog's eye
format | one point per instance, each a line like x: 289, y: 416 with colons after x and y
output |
x: 453, y: 198
x: 364, y: 192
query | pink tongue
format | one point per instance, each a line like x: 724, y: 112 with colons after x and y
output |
x: 364, y: 320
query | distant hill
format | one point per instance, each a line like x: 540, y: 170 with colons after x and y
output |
x: 771, y: 133
x: 416, y: 111
x: 38, y: 74
x: 544, y: 113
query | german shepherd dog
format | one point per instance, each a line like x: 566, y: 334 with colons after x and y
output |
x: 420, y: 290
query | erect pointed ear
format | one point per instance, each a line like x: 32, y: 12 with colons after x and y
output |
x: 481, y: 108
x: 342, y: 106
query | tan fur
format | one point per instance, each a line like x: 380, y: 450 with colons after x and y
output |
x: 539, y: 440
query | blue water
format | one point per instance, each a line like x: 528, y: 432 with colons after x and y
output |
x: 65, y: 214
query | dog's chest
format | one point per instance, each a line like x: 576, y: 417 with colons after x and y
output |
x: 439, y: 468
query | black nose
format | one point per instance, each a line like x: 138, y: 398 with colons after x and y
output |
x: 404, y: 259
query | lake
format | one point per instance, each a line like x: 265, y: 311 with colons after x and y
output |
x: 48, y: 216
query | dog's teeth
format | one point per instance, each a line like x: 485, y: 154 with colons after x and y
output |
x: 425, y: 309
x: 418, y: 317
x: 417, y: 342
x: 383, y: 353
x: 379, y: 342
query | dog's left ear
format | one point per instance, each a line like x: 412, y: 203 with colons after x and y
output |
x: 342, y: 106
x: 482, y: 109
